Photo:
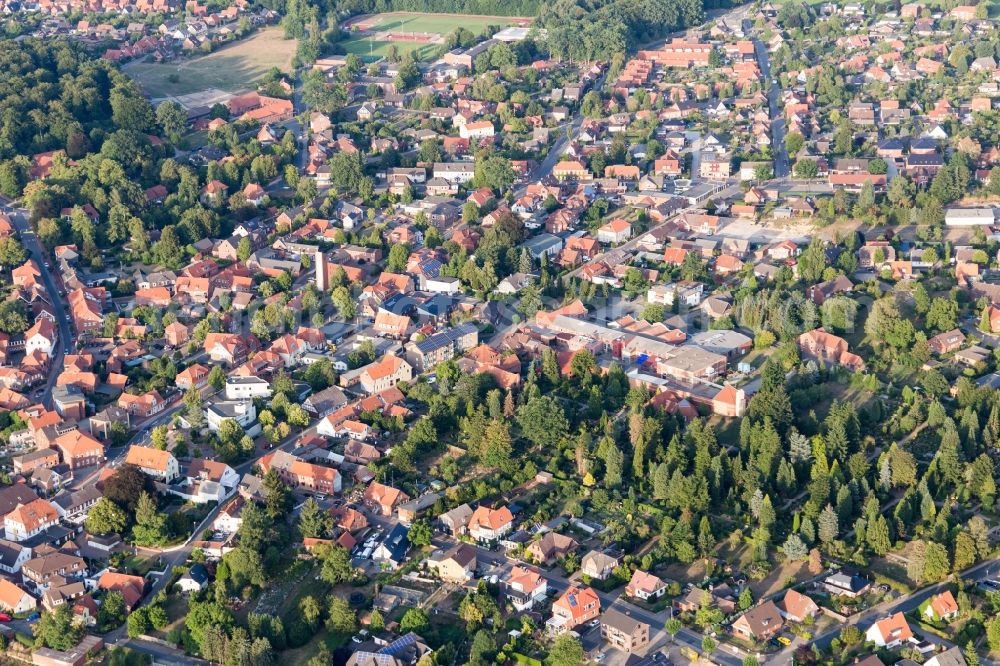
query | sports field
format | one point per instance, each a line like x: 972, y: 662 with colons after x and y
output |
x: 422, y: 34
x: 231, y: 69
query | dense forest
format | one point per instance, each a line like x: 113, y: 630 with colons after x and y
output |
x: 51, y: 97
x: 113, y: 146
x: 596, y: 29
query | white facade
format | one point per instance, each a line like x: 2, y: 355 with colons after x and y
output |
x: 14, y: 565
x: 525, y: 601
x: 246, y: 388
x: 442, y: 285
x: 664, y: 294
x: 241, y: 411
x: 16, y: 531
x: 476, y: 130
x: 38, y: 342
x: 455, y: 172
x: 969, y: 217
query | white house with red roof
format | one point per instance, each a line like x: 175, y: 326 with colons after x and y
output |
x: 890, y: 632
x: 524, y: 588
x: 40, y: 337
x: 487, y: 525
x: 614, y: 232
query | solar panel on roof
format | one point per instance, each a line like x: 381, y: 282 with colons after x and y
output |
x: 399, y: 644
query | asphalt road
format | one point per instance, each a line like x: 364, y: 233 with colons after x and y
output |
x: 569, y: 133
x: 781, y: 164
x: 19, y: 218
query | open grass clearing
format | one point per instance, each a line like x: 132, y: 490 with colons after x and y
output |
x: 231, y: 69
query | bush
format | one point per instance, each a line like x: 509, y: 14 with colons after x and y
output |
x: 298, y: 633
x: 763, y: 340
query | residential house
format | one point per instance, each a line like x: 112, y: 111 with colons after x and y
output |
x: 132, y: 588
x: 624, y: 632
x: 719, y: 596
x: 551, y: 547
x: 42, y: 570
x: 27, y: 520
x: 455, y: 565
x: 158, y: 464
x: 194, y: 579
x: 407, y: 512
x: 575, y: 607
x: 829, y: 348
x: 247, y: 387
x: 380, y: 375
x: 393, y: 548
x: 645, y: 586
x: 759, y: 623
x: 41, y: 337
x: 941, y: 607
x: 442, y: 346
x: 797, y: 607
x: 193, y: 376
x: 846, y: 585
x: 384, y: 499
x: 15, y: 600
x: 142, y: 406
x: 948, y: 341
x: 524, y: 588
x: 13, y: 556
x: 615, y: 232
x: 951, y: 657
x: 456, y: 521
x: 596, y: 564
x: 819, y: 293
x: 890, y: 632
x: 78, y: 449
x: 487, y: 525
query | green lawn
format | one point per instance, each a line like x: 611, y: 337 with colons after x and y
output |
x: 439, y: 23
x: 232, y: 68
x: 139, y: 565
x: 372, y: 49
x: 328, y: 637
x: 442, y: 24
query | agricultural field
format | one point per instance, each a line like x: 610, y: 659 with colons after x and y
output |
x: 229, y: 70
x: 421, y: 34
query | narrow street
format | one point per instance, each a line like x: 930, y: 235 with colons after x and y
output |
x: 19, y: 218
x: 781, y: 163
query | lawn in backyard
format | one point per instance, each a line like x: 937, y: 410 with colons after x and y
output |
x: 232, y: 68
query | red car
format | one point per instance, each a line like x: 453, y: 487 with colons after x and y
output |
x: 5, y: 618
